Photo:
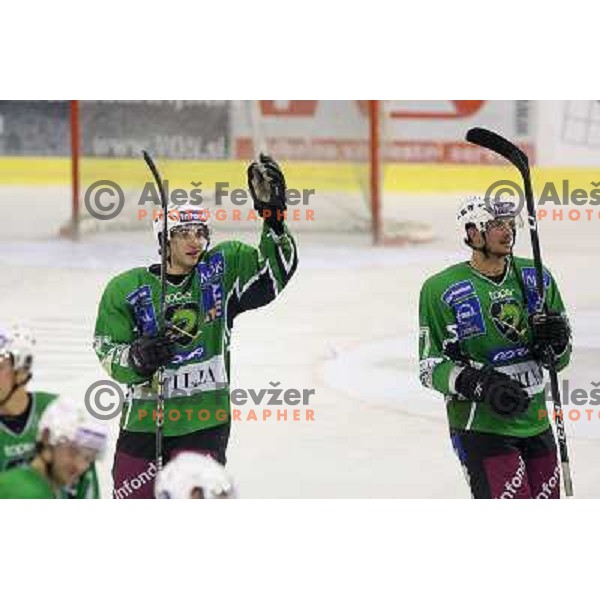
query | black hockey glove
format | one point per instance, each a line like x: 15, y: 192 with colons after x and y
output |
x: 549, y: 329
x: 148, y: 354
x: 266, y: 183
x: 505, y: 396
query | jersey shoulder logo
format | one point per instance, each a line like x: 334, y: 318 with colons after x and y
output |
x: 463, y: 300
x: 140, y: 301
x: 529, y: 281
x: 212, y: 269
x: 458, y: 291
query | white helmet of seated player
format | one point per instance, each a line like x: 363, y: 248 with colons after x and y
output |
x: 196, y: 476
x: 67, y: 421
x: 16, y: 359
x: 17, y: 343
x: 69, y: 441
x: 479, y: 212
x: 182, y: 216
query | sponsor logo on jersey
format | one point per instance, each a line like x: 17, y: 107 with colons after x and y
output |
x: 212, y: 302
x: 18, y: 450
x: 196, y: 378
x: 457, y: 292
x: 508, y: 354
x: 141, y: 302
x: 509, y: 317
x: 529, y: 373
x: 469, y: 319
x: 501, y: 294
x: 179, y: 297
x: 197, y: 353
x: 212, y: 269
x: 529, y: 281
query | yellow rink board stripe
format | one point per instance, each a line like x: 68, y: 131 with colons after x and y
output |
x: 325, y: 176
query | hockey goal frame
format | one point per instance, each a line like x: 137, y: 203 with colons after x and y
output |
x: 374, y: 116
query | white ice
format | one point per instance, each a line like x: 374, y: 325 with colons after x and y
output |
x: 345, y: 326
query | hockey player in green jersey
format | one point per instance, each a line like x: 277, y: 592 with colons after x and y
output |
x: 206, y: 289
x: 69, y: 440
x: 21, y: 410
x: 482, y: 339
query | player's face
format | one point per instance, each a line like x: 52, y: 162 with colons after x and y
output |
x: 70, y: 462
x: 187, y: 245
x: 499, y: 236
x: 7, y: 376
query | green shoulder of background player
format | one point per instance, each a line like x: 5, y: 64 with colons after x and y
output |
x: 68, y: 442
x: 482, y: 324
x: 21, y: 410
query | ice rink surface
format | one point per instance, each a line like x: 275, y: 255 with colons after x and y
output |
x: 346, y: 326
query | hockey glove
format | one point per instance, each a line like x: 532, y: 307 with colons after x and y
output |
x: 505, y: 396
x: 549, y: 329
x: 148, y: 354
x: 266, y: 183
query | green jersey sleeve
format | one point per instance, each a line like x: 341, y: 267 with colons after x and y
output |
x: 115, y: 330
x: 437, y: 329
x: 262, y: 272
x: 25, y: 483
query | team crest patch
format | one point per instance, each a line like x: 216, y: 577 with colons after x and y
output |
x: 509, y: 319
x: 186, y: 319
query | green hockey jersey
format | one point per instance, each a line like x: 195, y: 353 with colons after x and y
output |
x: 466, y: 318
x: 25, y: 483
x: 17, y: 450
x: 231, y: 278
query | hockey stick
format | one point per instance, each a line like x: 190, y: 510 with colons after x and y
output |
x: 160, y: 406
x: 496, y: 143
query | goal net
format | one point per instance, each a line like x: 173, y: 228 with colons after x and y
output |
x: 335, y: 155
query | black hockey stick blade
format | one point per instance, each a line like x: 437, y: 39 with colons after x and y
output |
x: 496, y: 143
x: 157, y: 178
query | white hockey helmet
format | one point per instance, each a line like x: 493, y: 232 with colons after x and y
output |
x: 178, y: 215
x: 478, y: 211
x: 190, y: 471
x: 18, y: 343
x: 69, y: 421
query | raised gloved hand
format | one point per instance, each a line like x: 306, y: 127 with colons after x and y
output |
x: 266, y: 183
x: 505, y: 396
x: 148, y: 354
x: 549, y: 329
